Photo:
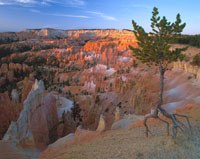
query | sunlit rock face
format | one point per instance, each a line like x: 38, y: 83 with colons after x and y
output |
x: 98, y: 53
x: 26, y: 87
x: 102, y: 125
x: 43, y: 121
x: 117, y: 114
x: 4, y: 68
x: 187, y: 67
x: 84, y: 34
x: 37, y: 120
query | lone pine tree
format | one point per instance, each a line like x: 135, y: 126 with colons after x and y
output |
x: 154, y: 49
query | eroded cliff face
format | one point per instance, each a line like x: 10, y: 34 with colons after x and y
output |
x: 84, y: 33
x: 43, y: 122
x: 92, y: 71
x: 44, y: 118
x: 101, y: 45
x: 93, y: 68
x: 9, y: 112
x: 11, y: 74
x: 187, y: 67
x: 37, y: 119
x: 19, y: 130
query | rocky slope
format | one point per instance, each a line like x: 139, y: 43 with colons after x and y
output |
x: 128, y: 144
x: 128, y: 140
x: 69, y: 63
x: 87, y: 34
x: 49, y: 33
x: 91, y: 84
x: 38, y: 121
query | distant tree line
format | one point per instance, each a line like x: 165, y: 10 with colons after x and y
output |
x: 9, y: 37
x: 196, y: 60
x: 7, y: 49
x: 193, y: 40
x: 35, y: 60
x: 19, y: 47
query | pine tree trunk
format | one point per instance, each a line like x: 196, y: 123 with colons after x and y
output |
x: 162, y: 73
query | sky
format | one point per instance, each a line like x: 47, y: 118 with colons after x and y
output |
x: 18, y: 15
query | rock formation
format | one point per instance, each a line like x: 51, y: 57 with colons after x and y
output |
x: 36, y: 123
x: 117, y: 114
x: 8, y: 112
x: 62, y: 141
x: 4, y: 69
x: 26, y: 86
x: 43, y: 122
x: 15, y: 96
x: 102, y: 125
x: 187, y: 67
x: 127, y: 121
x: 21, y: 126
x: 84, y: 34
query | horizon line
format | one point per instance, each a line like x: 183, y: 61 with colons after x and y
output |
x: 24, y: 30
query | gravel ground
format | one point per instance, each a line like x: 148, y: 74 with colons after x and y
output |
x: 132, y: 144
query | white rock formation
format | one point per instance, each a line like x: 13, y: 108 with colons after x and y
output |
x: 90, y: 85
x: 63, y: 105
x: 126, y: 121
x: 100, y: 68
x: 19, y: 132
x: 102, y: 124
x: 117, y: 114
x: 11, y: 133
x: 15, y: 96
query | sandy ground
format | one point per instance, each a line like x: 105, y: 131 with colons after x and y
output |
x: 9, y: 151
x: 132, y: 144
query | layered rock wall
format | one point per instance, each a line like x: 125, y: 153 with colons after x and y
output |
x: 93, y: 33
x: 49, y: 33
x: 187, y: 67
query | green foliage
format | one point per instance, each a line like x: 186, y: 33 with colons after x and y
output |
x: 76, y: 113
x: 196, y: 60
x: 193, y: 40
x: 154, y: 47
x: 19, y: 58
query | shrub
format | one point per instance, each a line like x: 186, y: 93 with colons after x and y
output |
x: 76, y: 113
x: 196, y: 60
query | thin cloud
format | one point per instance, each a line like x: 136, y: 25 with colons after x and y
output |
x: 25, y: 1
x: 102, y: 15
x: 65, y: 3
x: 58, y: 14
x: 17, y: 2
x: 3, y: 3
x: 70, y: 15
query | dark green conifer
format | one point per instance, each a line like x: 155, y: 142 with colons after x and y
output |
x: 154, y: 47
